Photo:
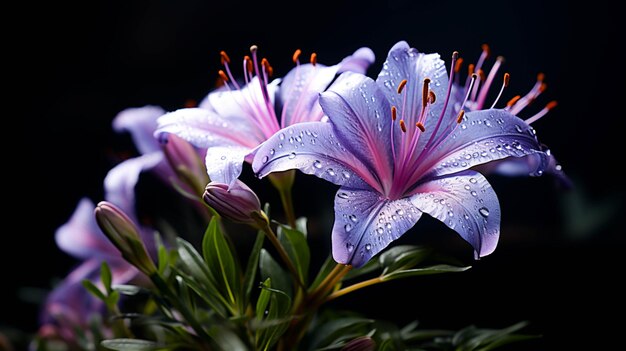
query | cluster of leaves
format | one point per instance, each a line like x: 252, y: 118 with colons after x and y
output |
x: 209, y: 299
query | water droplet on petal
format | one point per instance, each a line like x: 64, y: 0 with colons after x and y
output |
x: 368, y: 247
x: 380, y: 230
x: 484, y: 212
x: 272, y: 151
x: 474, y: 193
x: 330, y: 172
x: 400, y: 212
x: 265, y: 159
x: 281, y: 136
x: 473, y: 180
x: 317, y: 164
x: 342, y: 195
x: 223, y: 158
x: 519, y: 128
x: 450, y: 214
x: 348, y: 227
x: 353, y: 218
x: 349, y: 247
x: 467, y: 187
x: 292, y: 155
x: 346, y: 174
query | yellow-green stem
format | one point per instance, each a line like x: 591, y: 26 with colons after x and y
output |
x: 353, y: 287
x: 269, y: 233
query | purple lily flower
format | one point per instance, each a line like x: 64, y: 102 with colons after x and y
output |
x: 233, y: 120
x: 397, y: 150
x: 471, y: 96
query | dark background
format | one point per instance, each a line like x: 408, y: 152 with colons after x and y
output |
x: 558, y: 262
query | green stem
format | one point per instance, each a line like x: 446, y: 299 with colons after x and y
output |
x: 269, y: 233
x: 353, y: 287
x: 287, y: 201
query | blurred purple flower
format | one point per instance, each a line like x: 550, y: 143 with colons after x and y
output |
x: 471, y: 96
x: 69, y: 305
x: 231, y: 121
x: 397, y: 150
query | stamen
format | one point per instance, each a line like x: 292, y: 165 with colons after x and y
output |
x: 190, y: 103
x: 513, y: 101
x: 224, y: 59
x: 223, y: 76
x: 401, y: 86
x: 543, y: 112
x: 483, y: 56
x: 469, y: 88
x: 505, y: 83
x: 253, y: 49
x: 313, y: 59
x: 266, y: 65
x: 296, y: 55
x: 420, y: 126
x: 402, y: 126
x: 458, y: 64
x: 248, y: 63
x: 540, y: 77
x: 394, y: 113
x: 459, y: 118
x: 431, y: 97
x: 470, y: 69
x: 425, y: 93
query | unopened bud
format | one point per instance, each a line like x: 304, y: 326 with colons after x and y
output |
x: 237, y: 203
x: 123, y: 233
x: 185, y: 161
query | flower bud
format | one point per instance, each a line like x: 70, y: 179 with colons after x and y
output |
x: 237, y: 203
x: 185, y: 161
x: 123, y: 233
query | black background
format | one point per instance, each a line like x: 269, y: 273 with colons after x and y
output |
x: 558, y: 262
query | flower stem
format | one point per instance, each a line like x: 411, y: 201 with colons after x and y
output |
x: 353, y: 287
x: 283, y: 182
x: 269, y: 233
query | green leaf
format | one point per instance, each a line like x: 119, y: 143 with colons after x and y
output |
x: 393, y: 258
x: 131, y: 345
x: 226, y: 339
x: 105, y: 276
x: 113, y: 298
x: 264, y: 299
x: 220, y: 260
x: 163, y: 259
x: 129, y: 290
x: 271, y: 269
x: 252, y: 266
x: 297, y: 248
x: 93, y: 289
x: 337, y: 330
x: 325, y: 269
x: 436, y: 269
x: 194, y: 264
x: 301, y: 225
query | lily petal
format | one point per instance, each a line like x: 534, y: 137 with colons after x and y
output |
x: 81, y: 237
x: 481, y: 137
x: 204, y: 128
x: 365, y: 224
x: 465, y: 202
x: 357, y: 108
x: 120, y: 181
x: 224, y: 163
x: 299, y: 90
x: 141, y: 122
x: 404, y: 62
x: 313, y: 148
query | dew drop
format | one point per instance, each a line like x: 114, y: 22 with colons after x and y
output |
x: 349, y: 247
x: 388, y: 225
x: 317, y: 164
x: 484, y: 212
x: 473, y: 180
x: 342, y: 195
x: 467, y: 187
x: 280, y: 146
x: 330, y: 172
x: 348, y: 227
x: 346, y: 174
x: 380, y: 230
x: 368, y: 247
x: 292, y: 155
x: 483, y: 154
x: 223, y: 158
x: 450, y: 214
x: 400, y: 212
x: 272, y: 151
x: 353, y: 218
x: 265, y: 159
x: 463, y: 126
x: 281, y: 136
x: 467, y: 156
x: 474, y: 193
x: 519, y: 128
